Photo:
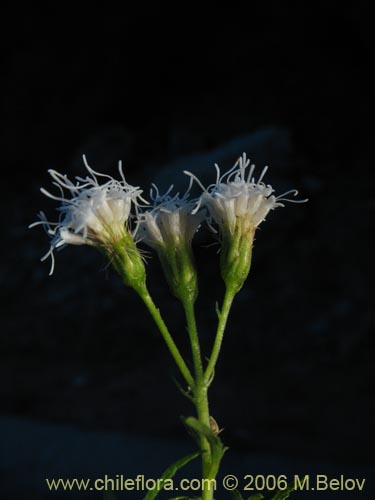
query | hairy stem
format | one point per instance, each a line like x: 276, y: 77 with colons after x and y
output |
x: 173, y: 349
x: 200, y: 394
x: 203, y: 413
x: 194, y: 340
x: 223, y: 318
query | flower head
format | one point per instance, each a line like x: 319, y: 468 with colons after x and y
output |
x: 238, y: 203
x: 170, y: 220
x: 236, y: 194
x: 168, y: 227
x: 93, y: 213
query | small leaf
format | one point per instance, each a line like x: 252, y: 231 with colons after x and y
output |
x: 283, y: 494
x: 257, y: 496
x: 216, y: 445
x: 183, y: 391
x: 170, y: 472
x: 186, y: 498
x: 204, y: 430
x: 236, y: 495
x: 193, y: 433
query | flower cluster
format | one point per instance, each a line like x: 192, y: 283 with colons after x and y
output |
x: 101, y: 214
x: 112, y: 216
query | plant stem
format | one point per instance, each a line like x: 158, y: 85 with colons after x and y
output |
x: 223, y: 318
x: 203, y: 413
x: 210, y: 465
x: 173, y: 349
x: 200, y: 395
x: 194, y: 340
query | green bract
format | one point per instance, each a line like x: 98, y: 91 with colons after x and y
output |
x: 127, y: 260
x: 179, y: 268
x: 236, y: 252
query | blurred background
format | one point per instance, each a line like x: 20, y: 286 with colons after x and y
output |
x: 164, y: 92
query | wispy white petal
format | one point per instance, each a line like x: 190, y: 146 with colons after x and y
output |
x: 236, y: 194
x: 171, y: 219
x: 92, y: 213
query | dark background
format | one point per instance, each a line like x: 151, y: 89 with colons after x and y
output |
x: 296, y: 370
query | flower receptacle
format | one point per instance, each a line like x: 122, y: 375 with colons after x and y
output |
x: 127, y: 261
x: 236, y: 253
x: 180, y: 271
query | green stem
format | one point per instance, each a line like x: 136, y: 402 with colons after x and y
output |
x: 203, y: 413
x: 223, y: 318
x: 210, y: 465
x: 173, y: 349
x: 200, y: 393
x: 194, y: 340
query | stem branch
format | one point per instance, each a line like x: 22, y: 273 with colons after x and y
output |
x: 200, y: 394
x: 223, y: 318
x: 194, y: 340
x: 173, y: 349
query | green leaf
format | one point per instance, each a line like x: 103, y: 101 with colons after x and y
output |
x: 170, y: 472
x: 283, y: 494
x: 186, y: 498
x: 257, y: 496
x: 236, y: 495
x: 193, y: 433
x: 216, y: 445
x: 183, y: 392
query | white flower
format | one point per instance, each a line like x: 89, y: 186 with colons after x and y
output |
x: 170, y: 220
x: 93, y: 214
x: 238, y: 204
x: 236, y: 195
x: 169, y: 228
